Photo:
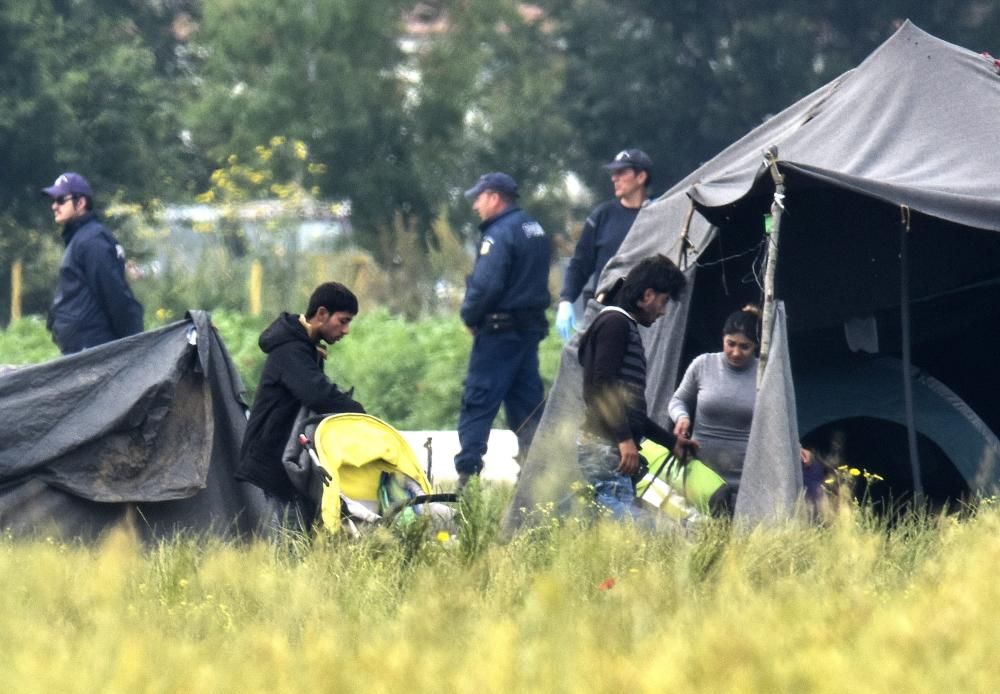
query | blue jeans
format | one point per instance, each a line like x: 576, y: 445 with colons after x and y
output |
x: 503, y: 369
x: 613, y: 491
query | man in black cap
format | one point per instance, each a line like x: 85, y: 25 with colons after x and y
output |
x: 603, y: 232
x: 93, y: 303
x: 504, y: 308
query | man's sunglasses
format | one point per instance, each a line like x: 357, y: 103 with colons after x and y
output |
x: 63, y: 199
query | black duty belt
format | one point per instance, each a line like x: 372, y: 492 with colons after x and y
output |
x: 499, y: 322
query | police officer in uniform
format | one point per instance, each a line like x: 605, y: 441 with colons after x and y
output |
x: 93, y: 303
x: 504, y: 308
x: 603, y: 232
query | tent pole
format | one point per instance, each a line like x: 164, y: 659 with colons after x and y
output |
x: 682, y: 256
x: 904, y: 319
x: 777, y: 209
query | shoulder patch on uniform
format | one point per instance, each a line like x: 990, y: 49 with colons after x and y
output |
x: 485, y: 246
x: 532, y: 229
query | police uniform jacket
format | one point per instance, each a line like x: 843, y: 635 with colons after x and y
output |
x: 93, y: 303
x: 602, y: 235
x: 511, y: 274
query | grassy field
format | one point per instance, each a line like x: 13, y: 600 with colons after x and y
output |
x: 856, y: 604
x: 850, y: 606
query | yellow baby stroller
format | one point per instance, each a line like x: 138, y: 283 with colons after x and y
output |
x: 367, y: 474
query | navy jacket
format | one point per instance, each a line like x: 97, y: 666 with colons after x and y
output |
x: 602, y: 235
x: 292, y: 377
x: 511, y: 273
x: 93, y: 303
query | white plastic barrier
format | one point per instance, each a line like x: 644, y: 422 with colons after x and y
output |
x: 499, y: 461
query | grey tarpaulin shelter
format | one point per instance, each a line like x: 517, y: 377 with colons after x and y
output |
x: 907, y: 139
x: 153, y: 422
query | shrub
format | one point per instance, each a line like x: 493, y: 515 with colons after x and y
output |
x: 27, y: 341
x: 408, y: 373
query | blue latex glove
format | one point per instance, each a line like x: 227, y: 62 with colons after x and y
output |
x: 565, y: 320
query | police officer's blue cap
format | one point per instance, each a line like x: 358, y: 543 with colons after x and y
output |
x: 631, y: 159
x: 495, y: 181
x: 69, y: 183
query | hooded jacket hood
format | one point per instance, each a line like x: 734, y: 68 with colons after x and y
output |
x: 286, y: 328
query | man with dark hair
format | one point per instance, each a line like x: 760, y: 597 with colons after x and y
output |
x: 292, y: 378
x: 614, y: 384
x: 603, y: 232
x: 93, y: 303
x: 504, y: 308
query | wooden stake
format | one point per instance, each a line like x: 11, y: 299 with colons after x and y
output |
x: 16, y: 286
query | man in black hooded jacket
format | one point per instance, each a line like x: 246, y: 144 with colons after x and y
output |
x: 293, y: 377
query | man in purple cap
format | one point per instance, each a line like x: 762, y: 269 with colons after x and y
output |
x: 93, y: 303
x: 504, y: 308
x: 603, y: 232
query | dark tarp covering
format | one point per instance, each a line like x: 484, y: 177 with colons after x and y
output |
x: 913, y: 125
x: 153, y: 421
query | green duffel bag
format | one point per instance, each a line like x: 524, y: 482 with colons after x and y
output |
x: 698, y: 484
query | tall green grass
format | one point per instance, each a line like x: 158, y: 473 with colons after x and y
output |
x: 856, y: 605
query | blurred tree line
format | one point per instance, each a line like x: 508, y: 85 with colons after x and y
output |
x: 401, y: 103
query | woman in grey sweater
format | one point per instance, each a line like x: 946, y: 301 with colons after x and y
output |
x: 718, y: 393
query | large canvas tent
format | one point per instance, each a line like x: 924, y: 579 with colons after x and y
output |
x: 148, y: 427
x: 890, y: 191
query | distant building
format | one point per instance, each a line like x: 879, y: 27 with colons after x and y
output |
x: 255, y: 228
x: 317, y: 226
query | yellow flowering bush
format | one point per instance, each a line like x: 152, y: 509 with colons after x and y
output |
x: 280, y: 170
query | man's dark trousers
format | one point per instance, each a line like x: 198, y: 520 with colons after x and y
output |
x: 503, y: 368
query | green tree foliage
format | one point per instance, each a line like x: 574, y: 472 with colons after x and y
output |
x: 322, y: 71
x: 494, y: 77
x: 487, y: 102
x: 80, y: 89
x: 147, y: 97
x: 682, y: 79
